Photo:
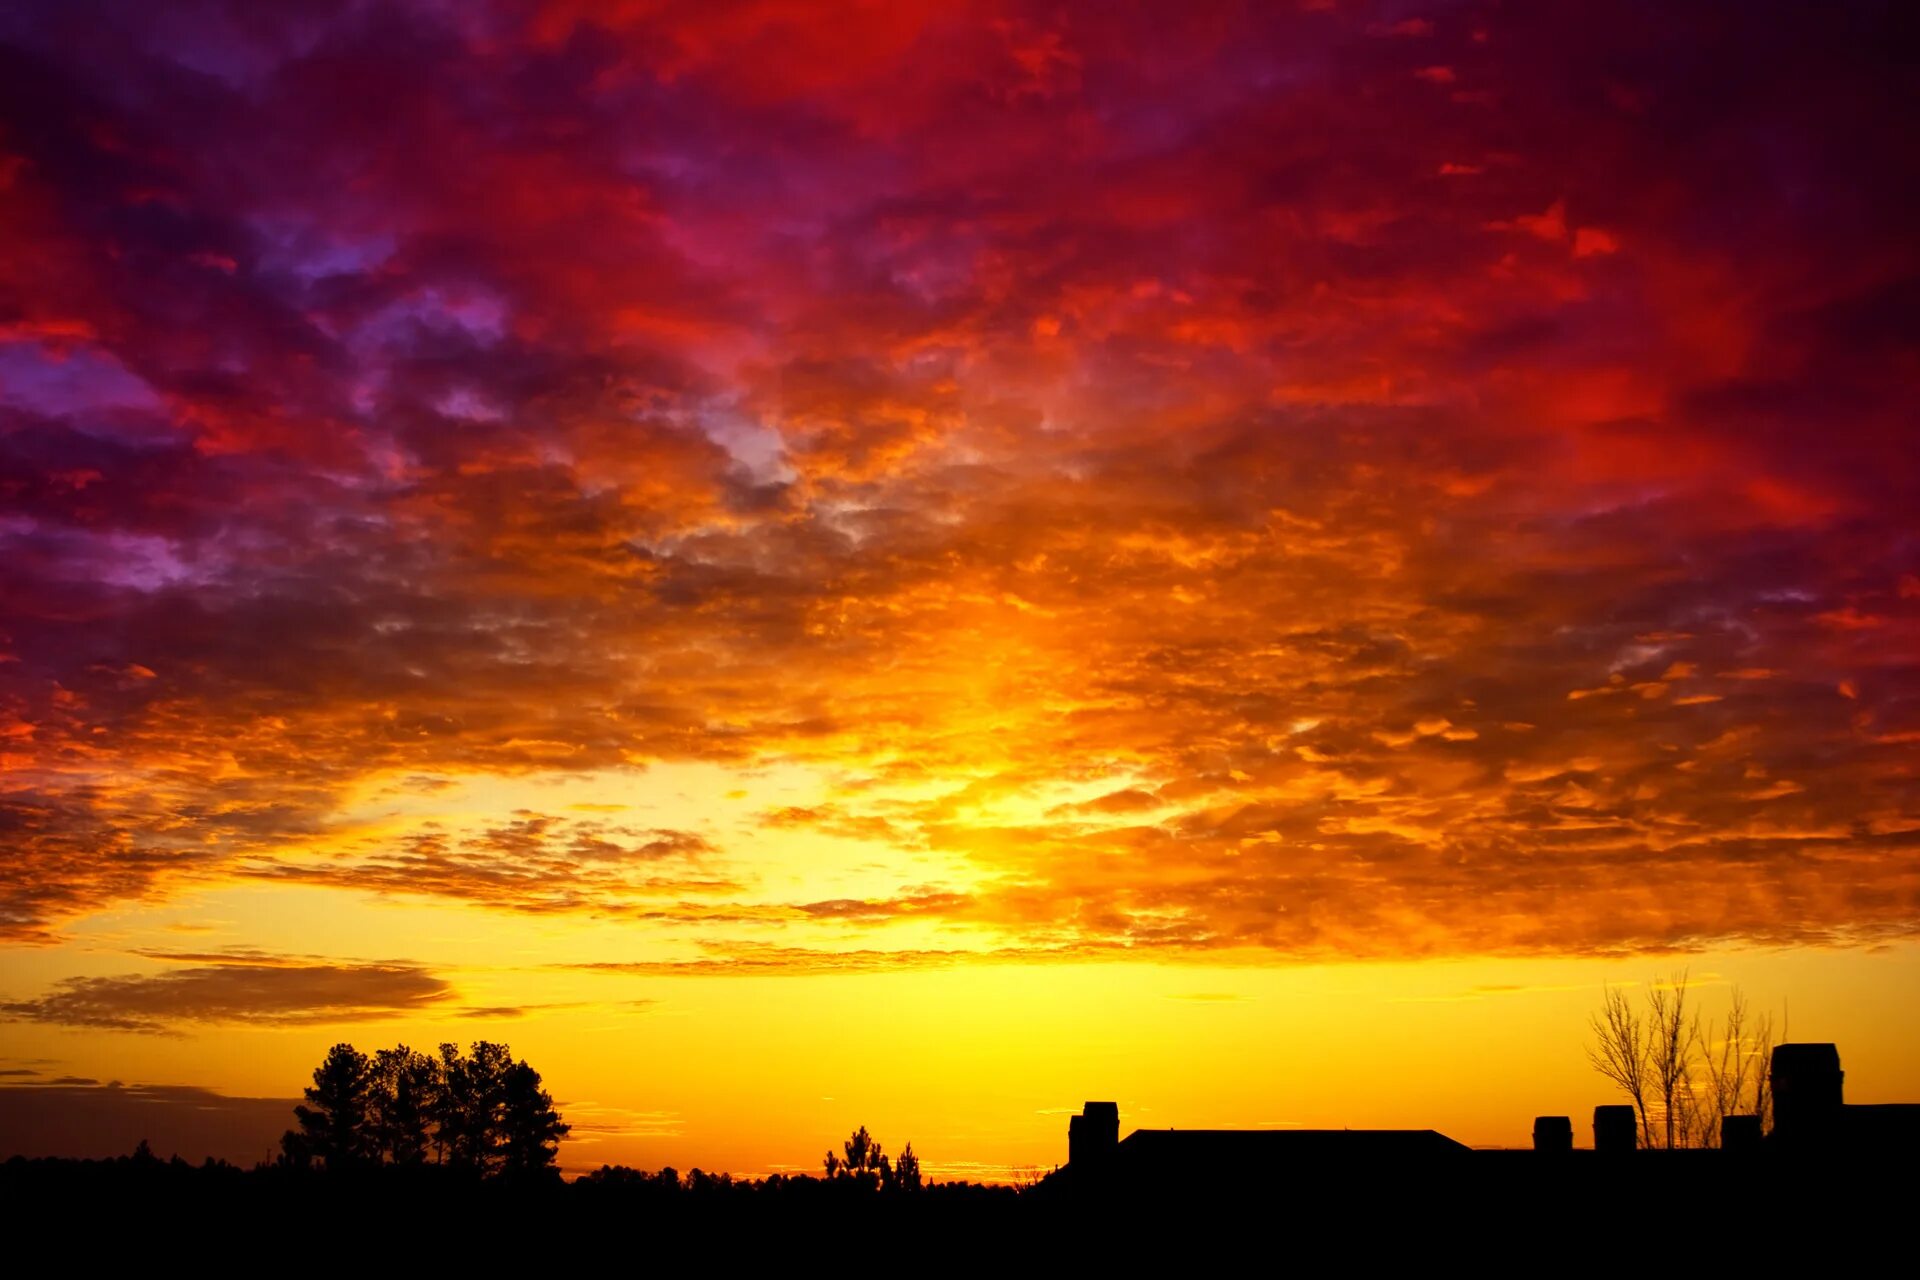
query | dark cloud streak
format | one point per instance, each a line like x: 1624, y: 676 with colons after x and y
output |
x: 249, y: 990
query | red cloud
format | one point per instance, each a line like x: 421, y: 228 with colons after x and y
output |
x: 1191, y: 431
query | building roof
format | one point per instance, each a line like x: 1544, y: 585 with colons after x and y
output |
x: 1263, y: 1145
x: 1806, y: 1056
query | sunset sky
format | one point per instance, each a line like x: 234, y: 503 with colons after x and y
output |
x: 915, y: 565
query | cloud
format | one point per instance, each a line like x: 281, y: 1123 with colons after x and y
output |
x: 596, y: 1123
x: 81, y: 1119
x: 535, y: 863
x: 946, y: 905
x: 242, y: 989
x: 747, y: 959
x: 1156, y: 508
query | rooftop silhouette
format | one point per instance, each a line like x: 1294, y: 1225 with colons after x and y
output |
x: 1809, y: 1109
x: 1147, y: 1157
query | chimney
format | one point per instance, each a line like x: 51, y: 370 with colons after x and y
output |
x: 1807, y: 1084
x: 1093, y: 1134
x: 1615, y: 1128
x: 1553, y: 1133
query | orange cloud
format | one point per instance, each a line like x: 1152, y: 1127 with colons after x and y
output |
x: 1189, y: 521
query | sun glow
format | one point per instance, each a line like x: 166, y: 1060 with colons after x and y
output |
x: 919, y: 564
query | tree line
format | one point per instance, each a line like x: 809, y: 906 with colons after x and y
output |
x: 1683, y: 1075
x: 481, y: 1113
x: 486, y: 1114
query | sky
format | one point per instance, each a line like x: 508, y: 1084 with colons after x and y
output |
x: 916, y: 565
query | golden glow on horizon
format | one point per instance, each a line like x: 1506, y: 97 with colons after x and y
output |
x: 977, y: 1064
x: 922, y: 568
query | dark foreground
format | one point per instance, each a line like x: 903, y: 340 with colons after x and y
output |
x: 1491, y: 1210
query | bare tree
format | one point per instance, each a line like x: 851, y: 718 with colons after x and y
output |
x: 1620, y: 1052
x: 1725, y: 1064
x: 1736, y: 1061
x: 1684, y: 1074
x: 1763, y: 1070
x: 1670, y: 1047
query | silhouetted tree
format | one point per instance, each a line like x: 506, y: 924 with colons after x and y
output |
x: 1735, y: 1059
x: 864, y: 1159
x: 334, y: 1129
x: 295, y: 1151
x: 403, y: 1099
x: 863, y: 1162
x: 861, y: 1149
x: 481, y: 1112
x: 906, y: 1171
x: 530, y: 1128
x: 1668, y: 1059
x: 1670, y: 1048
x: 473, y: 1090
x: 1620, y: 1052
x: 702, y: 1183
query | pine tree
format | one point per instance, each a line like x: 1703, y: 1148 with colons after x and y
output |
x: 530, y: 1127
x: 906, y: 1171
x: 472, y: 1103
x: 404, y: 1096
x: 335, y: 1127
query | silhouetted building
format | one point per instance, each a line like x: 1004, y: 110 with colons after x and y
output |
x: 1810, y: 1115
x: 1740, y: 1133
x: 1166, y: 1161
x: 1615, y: 1128
x: 1882, y: 1128
x: 1553, y: 1133
x: 1810, y: 1111
x: 1094, y: 1133
x: 1807, y: 1094
x: 1253, y: 1149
